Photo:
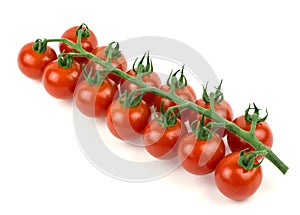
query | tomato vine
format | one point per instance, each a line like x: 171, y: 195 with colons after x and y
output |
x: 113, y: 51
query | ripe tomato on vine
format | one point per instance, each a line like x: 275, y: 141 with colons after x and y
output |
x: 127, y: 109
x: 60, y: 77
x: 88, y: 41
x: 33, y: 57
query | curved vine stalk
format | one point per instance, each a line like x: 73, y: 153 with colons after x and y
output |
x: 210, y: 113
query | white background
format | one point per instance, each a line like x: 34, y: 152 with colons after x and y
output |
x: 252, y: 45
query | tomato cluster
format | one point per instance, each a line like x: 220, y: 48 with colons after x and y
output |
x: 199, y: 145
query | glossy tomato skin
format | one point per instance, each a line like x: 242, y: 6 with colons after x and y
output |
x: 162, y: 142
x: 222, y: 108
x: 152, y: 80
x: 93, y: 100
x: 234, y: 181
x: 119, y: 63
x: 184, y: 93
x: 191, y: 90
x: 127, y: 123
x: 88, y: 44
x: 262, y: 132
x: 200, y: 157
x: 32, y: 63
x: 60, y: 82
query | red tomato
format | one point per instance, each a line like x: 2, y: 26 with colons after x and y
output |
x: 32, y: 63
x: 88, y: 43
x: 222, y: 108
x: 191, y: 91
x: 127, y: 123
x: 234, y: 181
x: 262, y: 132
x: 162, y: 142
x: 119, y: 63
x: 200, y: 157
x: 152, y: 80
x: 93, y: 100
x: 60, y: 82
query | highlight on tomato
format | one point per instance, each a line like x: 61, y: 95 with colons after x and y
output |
x: 61, y: 76
x: 88, y: 41
x: 93, y: 95
x: 33, y: 57
x: 181, y: 89
x: 148, y: 76
x: 239, y: 175
x: 127, y: 117
x: 200, y: 151
x: 221, y: 107
x: 162, y: 135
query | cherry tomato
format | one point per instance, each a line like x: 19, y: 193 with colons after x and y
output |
x: 200, y: 157
x: 262, y: 132
x: 32, y: 63
x: 60, y: 82
x: 184, y: 93
x: 127, y: 123
x: 222, y: 108
x: 119, y: 63
x: 191, y: 91
x: 152, y: 80
x: 93, y: 100
x: 88, y: 43
x: 234, y: 181
x: 162, y: 142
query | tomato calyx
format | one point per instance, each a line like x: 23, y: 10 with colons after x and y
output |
x: 39, y: 45
x: 95, y: 79
x: 112, y: 51
x: 247, y: 160
x: 130, y: 99
x: 65, y: 60
x: 201, y: 131
x: 173, y: 82
x: 218, y: 95
x: 141, y: 69
x: 166, y: 119
x: 251, y: 118
x: 85, y: 32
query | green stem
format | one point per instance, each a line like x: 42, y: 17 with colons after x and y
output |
x: 209, y: 113
x: 176, y: 107
x: 254, y: 123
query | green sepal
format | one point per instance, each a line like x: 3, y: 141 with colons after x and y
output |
x: 137, y: 100
x: 218, y: 94
x: 128, y: 100
x: 247, y: 159
x: 113, y: 50
x: 85, y: 31
x: 201, y: 131
x: 167, y: 119
x: 248, y: 117
x: 39, y: 45
x: 178, y: 83
x: 97, y: 78
x: 140, y: 69
x: 65, y: 60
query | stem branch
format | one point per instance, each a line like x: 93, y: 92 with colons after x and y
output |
x: 209, y: 113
